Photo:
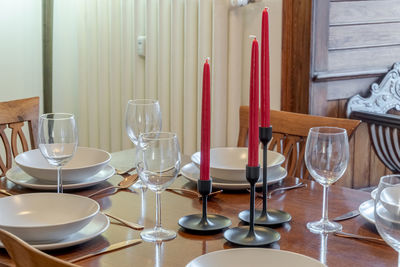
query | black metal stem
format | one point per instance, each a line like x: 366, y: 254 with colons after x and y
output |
x: 204, y: 219
x: 252, y: 175
x: 265, y: 185
x: 265, y: 135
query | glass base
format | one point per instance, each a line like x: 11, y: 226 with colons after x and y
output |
x: 157, y: 235
x: 139, y: 185
x: 324, y: 226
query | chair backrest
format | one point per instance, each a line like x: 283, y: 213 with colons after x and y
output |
x: 24, y: 255
x: 289, y: 134
x: 384, y: 132
x: 13, y: 115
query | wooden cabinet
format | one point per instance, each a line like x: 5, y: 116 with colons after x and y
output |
x: 332, y: 50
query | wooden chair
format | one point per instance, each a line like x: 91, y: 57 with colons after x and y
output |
x: 289, y: 135
x: 24, y: 255
x: 13, y: 114
x: 383, y: 128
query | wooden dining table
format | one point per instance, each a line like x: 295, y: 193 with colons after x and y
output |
x: 304, y: 204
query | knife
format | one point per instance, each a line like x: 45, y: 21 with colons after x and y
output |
x: 110, y: 248
x: 346, y: 216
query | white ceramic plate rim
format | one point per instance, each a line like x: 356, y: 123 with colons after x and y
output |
x: 261, y: 251
x: 277, y: 154
x: 92, y: 214
x: 363, y: 210
x: 39, y: 185
x: 74, y: 239
x: 66, y: 167
x: 232, y: 186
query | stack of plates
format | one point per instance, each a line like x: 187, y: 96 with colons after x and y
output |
x: 366, y: 208
x: 228, y: 168
x: 88, y: 167
x: 50, y: 220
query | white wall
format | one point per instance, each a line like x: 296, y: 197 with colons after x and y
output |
x: 252, y: 26
x: 20, y: 49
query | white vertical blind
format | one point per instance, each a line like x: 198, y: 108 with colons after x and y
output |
x: 180, y: 34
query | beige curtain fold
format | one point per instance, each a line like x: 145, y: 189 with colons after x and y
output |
x: 180, y: 34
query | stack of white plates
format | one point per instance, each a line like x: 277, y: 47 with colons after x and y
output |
x: 50, y: 220
x: 228, y: 168
x: 366, y: 208
x: 88, y: 167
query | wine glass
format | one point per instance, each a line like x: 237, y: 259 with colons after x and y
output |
x: 142, y: 116
x: 387, y: 210
x: 158, y: 164
x: 326, y: 157
x: 58, y: 140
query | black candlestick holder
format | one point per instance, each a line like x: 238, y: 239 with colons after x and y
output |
x: 252, y: 235
x: 266, y: 216
x: 204, y: 223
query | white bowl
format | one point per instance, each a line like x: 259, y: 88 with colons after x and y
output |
x: 229, y: 163
x: 390, y: 199
x: 45, y: 217
x: 84, y: 164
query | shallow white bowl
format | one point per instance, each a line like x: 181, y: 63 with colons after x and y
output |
x: 84, y: 164
x: 390, y: 199
x: 229, y: 163
x: 45, y: 217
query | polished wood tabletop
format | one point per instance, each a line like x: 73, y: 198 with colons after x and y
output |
x: 304, y: 204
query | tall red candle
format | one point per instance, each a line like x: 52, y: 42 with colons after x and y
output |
x: 265, y: 77
x: 253, y: 114
x: 205, y: 125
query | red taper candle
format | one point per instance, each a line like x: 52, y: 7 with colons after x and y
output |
x: 253, y: 114
x: 265, y: 76
x: 205, y: 125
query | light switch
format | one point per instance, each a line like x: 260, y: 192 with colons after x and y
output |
x: 141, y: 45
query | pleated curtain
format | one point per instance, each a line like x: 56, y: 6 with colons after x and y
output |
x: 180, y: 35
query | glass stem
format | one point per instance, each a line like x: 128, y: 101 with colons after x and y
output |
x: 158, y: 211
x: 59, y: 180
x: 325, y: 205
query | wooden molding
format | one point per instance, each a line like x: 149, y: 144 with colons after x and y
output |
x: 296, y: 32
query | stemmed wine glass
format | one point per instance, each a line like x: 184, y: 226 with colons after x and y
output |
x: 58, y: 140
x: 387, y: 211
x: 158, y: 164
x: 326, y: 157
x: 142, y: 116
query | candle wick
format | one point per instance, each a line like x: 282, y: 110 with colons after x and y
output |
x: 267, y: 9
x: 208, y: 59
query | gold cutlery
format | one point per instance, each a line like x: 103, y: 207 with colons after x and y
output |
x: 5, y: 192
x: 120, y: 172
x: 368, y: 238
x: 127, y: 182
x: 132, y: 225
x: 193, y: 192
x: 110, y: 248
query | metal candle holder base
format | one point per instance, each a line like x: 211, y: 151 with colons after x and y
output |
x: 266, y: 216
x: 250, y: 235
x: 204, y: 223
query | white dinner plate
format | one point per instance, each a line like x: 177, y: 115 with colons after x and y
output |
x: 367, y: 210
x: 19, y: 177
x: 192, y: 173
x: 373, y: 193
x: 253, y: 257
x: 95, y: 228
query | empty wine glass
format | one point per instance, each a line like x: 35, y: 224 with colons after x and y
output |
x: 142, y: 116
x: 326, y: 157
x: 158, y: 164
x: 58, y: 140
x: 387, y: 210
